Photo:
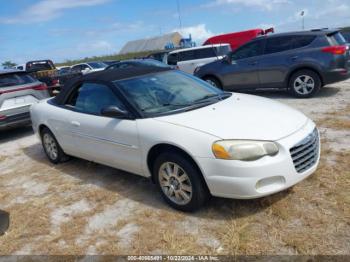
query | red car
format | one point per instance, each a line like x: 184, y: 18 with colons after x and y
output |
x: 237, y: 39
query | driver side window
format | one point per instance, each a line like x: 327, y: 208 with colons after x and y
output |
x: 249, y: 50
x: 91, y: 98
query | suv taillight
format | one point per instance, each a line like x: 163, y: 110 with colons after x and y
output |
x: 336, y: 50
x: 40, y: 87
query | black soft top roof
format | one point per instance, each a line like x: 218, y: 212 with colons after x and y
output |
x: 107, y: 76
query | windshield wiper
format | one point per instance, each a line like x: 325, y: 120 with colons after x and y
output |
x: 220, y: 96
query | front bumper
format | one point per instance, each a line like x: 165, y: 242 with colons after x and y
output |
x: 268, y: 175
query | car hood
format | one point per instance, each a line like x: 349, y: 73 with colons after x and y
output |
x: 242, y: 117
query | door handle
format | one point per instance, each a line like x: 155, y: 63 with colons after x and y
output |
x: 253, y: 63
x: 294, y: 58
x: 75, y: 123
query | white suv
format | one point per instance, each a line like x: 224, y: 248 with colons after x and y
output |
x: 190, y: 58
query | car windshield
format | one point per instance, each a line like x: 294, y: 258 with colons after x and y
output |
x: 97, y: 65
x: 169, y: 91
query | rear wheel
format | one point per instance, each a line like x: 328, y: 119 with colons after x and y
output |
x: 51, y: 147
x: 304, y: 84
x: 213, y: 81
x: 179, y: 182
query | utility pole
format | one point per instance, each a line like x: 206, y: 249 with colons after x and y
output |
x: 178, y: 12
x: 302, y: 19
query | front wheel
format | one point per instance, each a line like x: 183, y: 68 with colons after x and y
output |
x: 304, y: 84
x: 179, y: 182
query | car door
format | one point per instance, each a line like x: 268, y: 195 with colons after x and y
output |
x: 280, y: 55
x: 101, y: 139
x: 275, y: 62
x: 242, y: 71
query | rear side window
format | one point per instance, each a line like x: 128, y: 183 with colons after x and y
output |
x: 337, y: 39
x: 204, y: 53
x: 303, y: 40
x: 15, y: 79
x: 346, y: 35
x: 279, y: 44
x: 186, y: 55
x: 91, y: 98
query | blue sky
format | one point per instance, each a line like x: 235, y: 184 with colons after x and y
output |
x: 70, y: 29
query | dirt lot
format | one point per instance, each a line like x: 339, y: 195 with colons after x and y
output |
x: 84, y: 208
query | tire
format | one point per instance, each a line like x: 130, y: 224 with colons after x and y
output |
x: 191, y: 186
x: 51, y: 147
x: 304, y: 84
x: 213, y: 81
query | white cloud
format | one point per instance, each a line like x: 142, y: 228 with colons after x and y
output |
x: 46, y: 10
x: 260, y: 4
x: 199, y: 32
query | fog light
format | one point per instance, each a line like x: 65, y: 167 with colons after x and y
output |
x: 270, y: 184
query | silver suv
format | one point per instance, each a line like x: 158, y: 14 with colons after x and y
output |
x: 18, y: 91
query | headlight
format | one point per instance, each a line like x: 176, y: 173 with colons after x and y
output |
x: 245, y: 150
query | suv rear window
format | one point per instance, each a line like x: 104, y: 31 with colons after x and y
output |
x: 15, y: 79
x: 337, y: 39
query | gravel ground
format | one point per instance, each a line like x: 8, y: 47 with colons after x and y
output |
x: 84, y: 208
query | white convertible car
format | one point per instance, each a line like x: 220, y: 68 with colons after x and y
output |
x: 191, y: 139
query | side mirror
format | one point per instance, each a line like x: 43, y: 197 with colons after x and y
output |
x: 227, y: 59
x: 115, y: 112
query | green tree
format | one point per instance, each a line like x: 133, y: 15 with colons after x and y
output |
x: 8, y: 64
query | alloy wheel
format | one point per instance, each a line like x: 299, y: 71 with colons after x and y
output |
x: 175, y: 183
x: 50, y: 146
x: 304, y: 84
x: 211, y: 82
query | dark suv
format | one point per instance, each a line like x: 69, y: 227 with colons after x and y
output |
x: 301, y: 62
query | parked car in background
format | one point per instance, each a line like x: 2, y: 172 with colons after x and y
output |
x: 301, y: 62
x: 18, y: 91
x: 45, y: 71
x: 237, y: 39
x: 188, y: 59
x: 136, y: 63
x: 20, y: 67
x: 65, y: 74
x: 110, y: 62
x: 191, y: 139
x: 63, y: 69
x: 89, y: 67
x: 160, y: 56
